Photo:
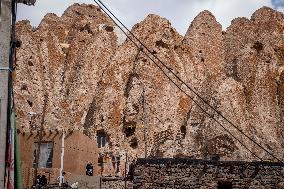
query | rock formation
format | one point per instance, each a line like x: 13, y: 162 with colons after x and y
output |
x: 95, y: 83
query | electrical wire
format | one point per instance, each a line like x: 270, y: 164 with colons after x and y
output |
x: 191, y: 89
x: 210, y: 116
x: 100, y: 4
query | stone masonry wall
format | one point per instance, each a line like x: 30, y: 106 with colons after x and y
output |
x: 192, y: 173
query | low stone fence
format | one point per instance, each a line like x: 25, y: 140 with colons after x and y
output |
x: 203, y: 174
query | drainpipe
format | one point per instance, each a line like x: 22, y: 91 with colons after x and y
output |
x: 125, y: 168
x: 62, y: 158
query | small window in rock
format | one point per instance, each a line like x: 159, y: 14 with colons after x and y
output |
x: 258, y: 46
x: 159, y: 153
x: 116, y: 163
x: 100, y: 160
x: 129, y: 131
x: 183, y: 130
x: 101, y: 138
x: 18, y: 43
x: 129, y: 128
x: 109, y: 28
x: 225, y: 185
x: 134, y: 143
x: 24, y: 87
x: 162, y: 44
x: 78, y: 13
x: 214, y: 157
x: 87, y: 28
x: 30, y: 103
x: 30, y: 63
x: 136, y: 107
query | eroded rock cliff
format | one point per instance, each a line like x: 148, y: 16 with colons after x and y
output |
x: 95, y: 83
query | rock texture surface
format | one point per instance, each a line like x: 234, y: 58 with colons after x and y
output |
x: 93, y: 82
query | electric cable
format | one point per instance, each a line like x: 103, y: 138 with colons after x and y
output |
x: 212, y: 117
x: 170, y: 70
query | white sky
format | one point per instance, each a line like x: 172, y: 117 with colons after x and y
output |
x: 179, y: 12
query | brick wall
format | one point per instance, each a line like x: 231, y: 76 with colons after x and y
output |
x: 77, y: 151
x: 203, y: 174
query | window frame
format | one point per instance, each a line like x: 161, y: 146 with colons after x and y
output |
x: 49, y: 147
x: 101, y: 139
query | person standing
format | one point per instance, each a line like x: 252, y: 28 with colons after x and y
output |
x: 89, y: 169
x: 61, y: 178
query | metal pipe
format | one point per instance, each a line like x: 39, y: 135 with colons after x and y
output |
x: 125, y: 170
x: 5, y: 69
x: 62, y: 159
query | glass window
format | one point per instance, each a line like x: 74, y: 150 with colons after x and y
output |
x: 101, y: 139
x: 46, y: 155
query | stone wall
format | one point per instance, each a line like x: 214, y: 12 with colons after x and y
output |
x: 115, y: 184
x: 192, y: 173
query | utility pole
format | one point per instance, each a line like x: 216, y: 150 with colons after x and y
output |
x: 5, y: 39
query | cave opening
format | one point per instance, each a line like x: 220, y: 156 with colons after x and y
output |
x: 129, y: 127
x: 258, y: 46
x: 129, y: 130
x: 225, y: 185
x: 183, y: 131
x: 134, y: 143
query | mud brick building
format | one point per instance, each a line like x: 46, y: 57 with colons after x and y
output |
x: 206, y: 174
x: 78, y: 150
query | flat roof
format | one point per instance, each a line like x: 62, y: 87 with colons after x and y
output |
x: 191, y: 161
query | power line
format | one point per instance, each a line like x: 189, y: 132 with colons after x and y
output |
x: 183, y: 90
x: 191, y: 89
